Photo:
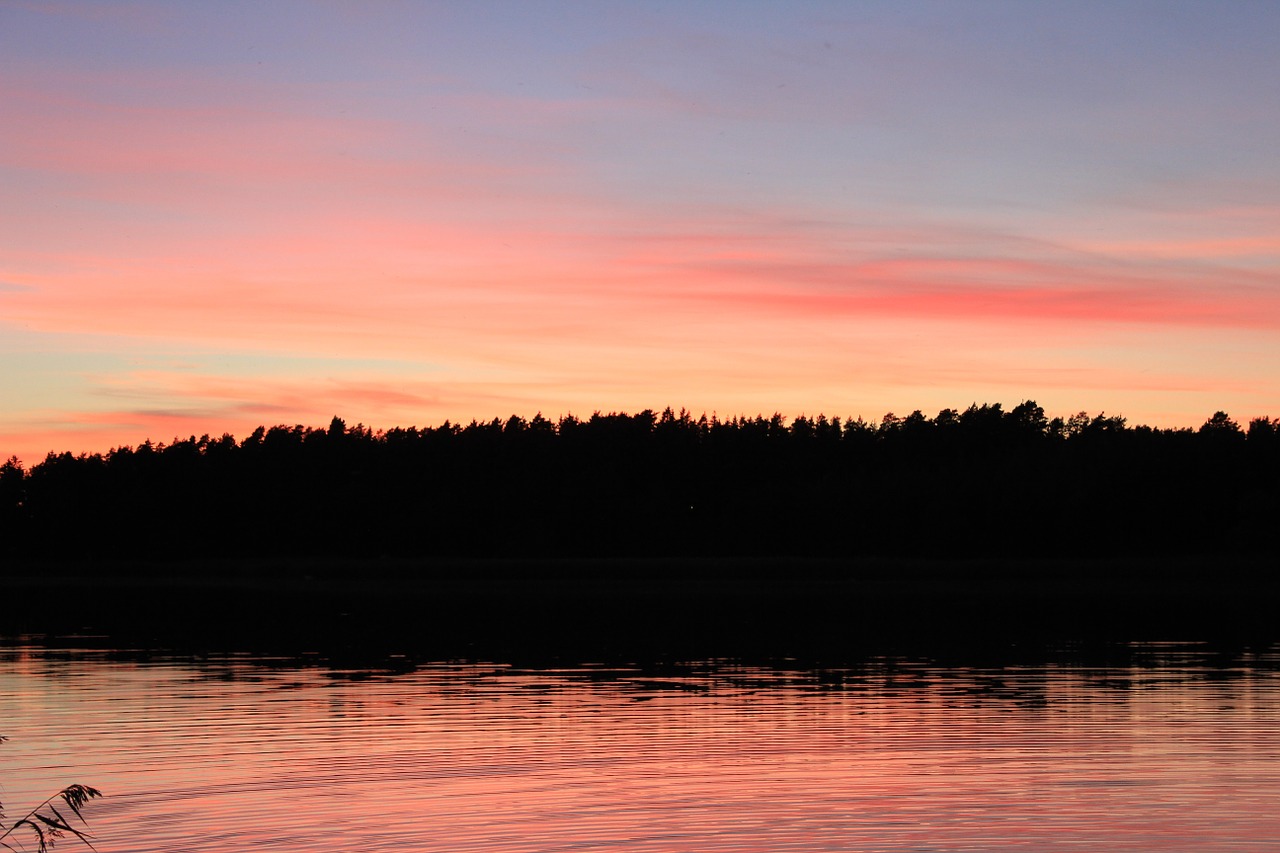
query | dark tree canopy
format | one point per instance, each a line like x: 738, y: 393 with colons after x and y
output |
x: 984, y: 481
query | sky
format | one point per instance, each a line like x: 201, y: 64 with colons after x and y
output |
x: 220, y: 215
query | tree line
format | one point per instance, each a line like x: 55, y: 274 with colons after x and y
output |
x: 980, y: 482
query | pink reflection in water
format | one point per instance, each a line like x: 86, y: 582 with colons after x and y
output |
x: 233, y: 756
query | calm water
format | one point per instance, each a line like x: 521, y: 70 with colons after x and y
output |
x: 238, y: 753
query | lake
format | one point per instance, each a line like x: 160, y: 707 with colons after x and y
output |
x: 1158, y: 748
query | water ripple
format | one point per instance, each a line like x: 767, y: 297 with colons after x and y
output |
x: 238, y: 753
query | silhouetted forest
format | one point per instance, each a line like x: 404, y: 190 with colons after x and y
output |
x: 655, y: 534
x: 982, y: 482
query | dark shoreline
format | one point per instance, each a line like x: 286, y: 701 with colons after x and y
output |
x: 614, y: 609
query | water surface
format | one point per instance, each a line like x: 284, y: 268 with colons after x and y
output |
x: 1167, y: 752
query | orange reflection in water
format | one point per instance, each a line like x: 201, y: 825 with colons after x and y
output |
x: 885, y: 757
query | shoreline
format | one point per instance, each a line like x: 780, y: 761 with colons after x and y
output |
x: 637, y: 607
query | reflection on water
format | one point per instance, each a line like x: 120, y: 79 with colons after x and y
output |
x: 1166, y: 753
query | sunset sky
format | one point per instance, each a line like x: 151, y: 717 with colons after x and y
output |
x: 215, y: 215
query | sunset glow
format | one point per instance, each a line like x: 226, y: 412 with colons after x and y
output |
x: 215, y: 216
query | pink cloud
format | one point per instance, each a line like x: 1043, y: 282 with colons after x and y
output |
x: 86, y: 125
x: 398, y: 243
x: 1050, y: 290
x: 520, y: 298
x: 901, y: 271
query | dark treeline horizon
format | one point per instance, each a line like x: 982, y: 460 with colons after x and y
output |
x: 979, y: 482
